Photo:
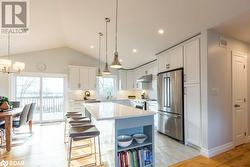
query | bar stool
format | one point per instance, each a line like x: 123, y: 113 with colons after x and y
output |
x: 82, y: 133
x: 67, y: 116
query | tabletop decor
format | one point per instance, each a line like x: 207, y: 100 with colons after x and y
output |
x: 4, y: 103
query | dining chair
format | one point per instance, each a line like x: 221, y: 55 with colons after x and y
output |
x: 30, y: 115
x: 22, y: 120
x: 2, y: 133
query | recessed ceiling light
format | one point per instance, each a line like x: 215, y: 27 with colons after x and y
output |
x: 134, y: 50
x: 160, y: 31
x: 92, y: 46
x: 120, y: 60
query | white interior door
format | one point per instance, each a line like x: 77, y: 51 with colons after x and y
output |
x: 239, y: 97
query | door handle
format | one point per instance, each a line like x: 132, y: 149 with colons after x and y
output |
x: 236, y: 105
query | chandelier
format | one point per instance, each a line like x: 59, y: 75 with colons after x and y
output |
x: 6, y: 65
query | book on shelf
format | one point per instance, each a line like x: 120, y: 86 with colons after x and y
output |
x: 135, y: 157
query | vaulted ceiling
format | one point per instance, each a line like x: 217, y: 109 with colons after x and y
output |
x: 75, y: 24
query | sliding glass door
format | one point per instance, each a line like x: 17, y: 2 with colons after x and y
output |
x: 46, y: 91
x: 52, y: 99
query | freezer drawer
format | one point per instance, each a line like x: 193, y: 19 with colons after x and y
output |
x: 171, y: 125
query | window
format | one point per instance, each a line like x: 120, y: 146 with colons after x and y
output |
x: 46, y: 91
x: 106, y: 87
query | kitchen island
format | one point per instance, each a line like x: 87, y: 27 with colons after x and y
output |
x: 127, y: 121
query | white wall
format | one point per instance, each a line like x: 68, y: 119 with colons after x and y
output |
x: 56, y: 60
x: 219, y: 103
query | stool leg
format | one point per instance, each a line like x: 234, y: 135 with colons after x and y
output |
x: 95, y: 150
x: 70, y: 148
x: 65, y: 129
x: 100, y: 155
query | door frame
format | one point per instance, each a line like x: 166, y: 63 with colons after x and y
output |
x: 41, y: 75
x: 244, y: 55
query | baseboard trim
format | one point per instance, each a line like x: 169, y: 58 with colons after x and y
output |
x: 217, y: 150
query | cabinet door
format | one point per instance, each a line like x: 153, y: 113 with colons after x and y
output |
x: 130, y: 80
x: 74, y: 82
x: 171, y: 59
x: 163, y: 62
x: 84, y: 78
x: 192, y: 62
x: 192, y: 111
x: 92, y: 78
x: 122, y: 80
x: 176, y: 58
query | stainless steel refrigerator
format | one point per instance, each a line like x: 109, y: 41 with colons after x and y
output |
x: 170, y: 99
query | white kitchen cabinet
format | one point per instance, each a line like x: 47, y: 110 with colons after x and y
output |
x: 192, y: 114
x: 74, y: 75
x: 171, y: 59
x: 126, y: 80
x: 192, y: 62
x: 92, y: 78
x: 130, y: 80
x: 122, y: 79
x: 153, y: 106
x: 82, y: 78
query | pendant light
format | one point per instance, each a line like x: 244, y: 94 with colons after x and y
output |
x: 106, y: 69
x: 116, y: 63
x: 99, y: 73
x: 6, y: 65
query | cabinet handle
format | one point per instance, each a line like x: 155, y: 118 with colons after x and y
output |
x: 185, y: 77
x: 79, y: 85
x: 167, y: 66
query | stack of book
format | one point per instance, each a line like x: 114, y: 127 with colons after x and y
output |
x: 135, y: 158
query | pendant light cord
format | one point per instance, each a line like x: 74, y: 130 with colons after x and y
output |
x: 116, y: 24
x: 107, y: 20
x: 100, y: 34
x: 9, y: 46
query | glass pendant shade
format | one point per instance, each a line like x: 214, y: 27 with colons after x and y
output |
x: 116, y: 63
x: 6, y: 65
x: 99, y: 73
x: 106, y: 70
x: 18, y: 66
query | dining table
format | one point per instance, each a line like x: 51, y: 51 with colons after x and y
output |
x: 8, y: 116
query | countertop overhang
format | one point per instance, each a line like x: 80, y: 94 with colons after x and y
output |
x: 112, y: 111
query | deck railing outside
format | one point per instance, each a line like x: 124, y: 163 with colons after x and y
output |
x: 52, y: 106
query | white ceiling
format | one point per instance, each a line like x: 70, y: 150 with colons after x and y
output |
x: 238, y: 28
x: 75, y: 23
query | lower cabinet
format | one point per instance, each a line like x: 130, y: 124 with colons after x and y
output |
x: 153, y: 106
x: 192, y: 114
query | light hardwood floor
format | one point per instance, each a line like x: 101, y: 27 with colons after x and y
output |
x: 45, y: 148
x: 238, y: 157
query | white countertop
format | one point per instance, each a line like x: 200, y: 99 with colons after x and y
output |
x: 109, y: 111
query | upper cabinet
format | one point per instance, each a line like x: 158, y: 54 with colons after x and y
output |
x: 122, y: 79
x: 130, y: 80
x: 171, y: 59
x: 82, y: 78
x: 126, y: 79
x: 192, y: 62
x: 74, y: 76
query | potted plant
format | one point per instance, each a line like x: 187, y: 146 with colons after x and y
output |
x: 4, y: 103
